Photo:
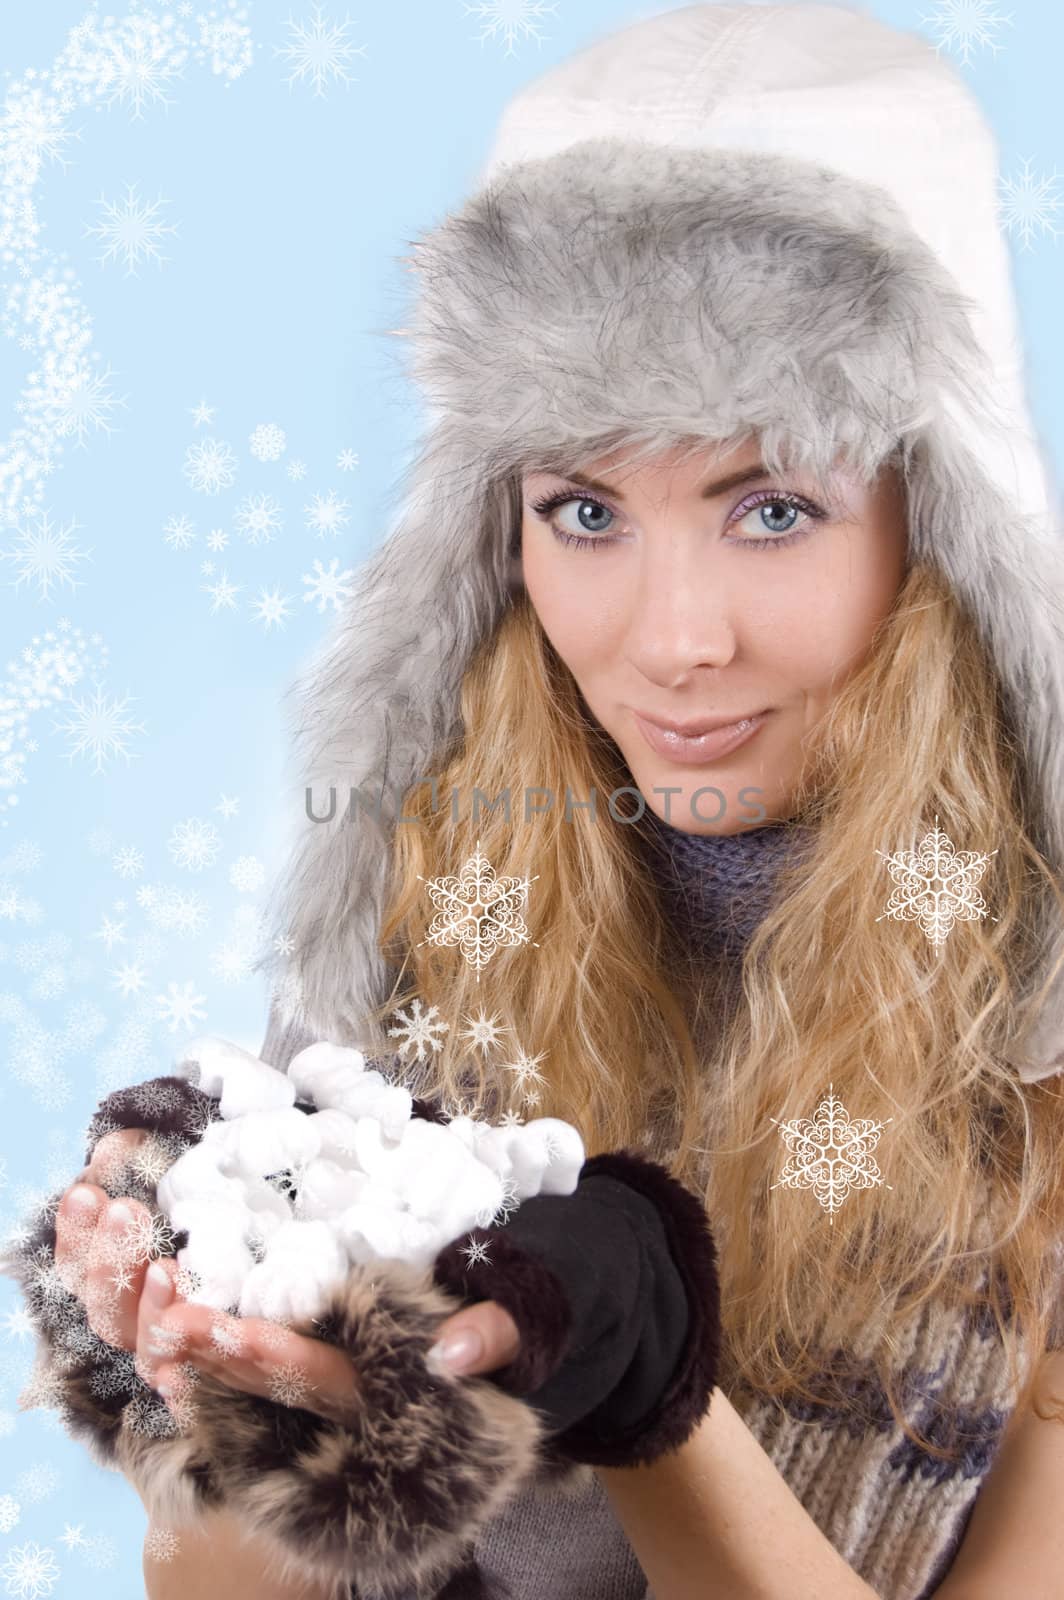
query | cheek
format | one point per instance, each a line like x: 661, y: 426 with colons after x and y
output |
x: 816, y: 626
x: 822, y: 622
x: 865, y: 594
x: 573, y: 610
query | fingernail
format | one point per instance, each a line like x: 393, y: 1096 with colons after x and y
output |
x: 159, y: 1284
x: 457, y: 1352
x: 119, y: 1213
x: 82, y: 1198
x: 167, y: 1339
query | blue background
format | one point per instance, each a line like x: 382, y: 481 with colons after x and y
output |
x: 271, y: 203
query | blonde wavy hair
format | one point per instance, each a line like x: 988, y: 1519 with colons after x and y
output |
x: 607, y: 1011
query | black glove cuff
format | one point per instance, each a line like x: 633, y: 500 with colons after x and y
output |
x: 686, y: 1397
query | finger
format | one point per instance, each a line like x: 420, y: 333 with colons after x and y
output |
x: 75, y: 1222
x: 117, y: 1261
x: 159, y: 1291
x: 176, y: 1383
x: 177, y: 1363
x: 76, y: 1218
x: 310, y: 1373
x: 113, y: 1153
x: 267, y: 1358
x: 487, y: 1321
x: 286, y: 1383
x: 261, y: 1357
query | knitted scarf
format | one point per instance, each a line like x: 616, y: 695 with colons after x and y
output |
x: 716, y: 888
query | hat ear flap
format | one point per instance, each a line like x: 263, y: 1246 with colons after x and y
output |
x: 370, y: 713
x: 1010, y: 579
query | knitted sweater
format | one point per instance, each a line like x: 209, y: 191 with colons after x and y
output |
x: 896, y: 1514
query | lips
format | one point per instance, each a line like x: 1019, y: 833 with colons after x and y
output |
x: 695, y: 730
x: 697, y: 750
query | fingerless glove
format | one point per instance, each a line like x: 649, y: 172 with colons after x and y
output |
x: 614, y: 1292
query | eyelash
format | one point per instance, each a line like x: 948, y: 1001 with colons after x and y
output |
x: 760, y: 497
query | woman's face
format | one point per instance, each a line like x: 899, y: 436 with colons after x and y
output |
x: 695, y: 601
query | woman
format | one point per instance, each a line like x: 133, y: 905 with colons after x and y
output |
x: 727, y: 243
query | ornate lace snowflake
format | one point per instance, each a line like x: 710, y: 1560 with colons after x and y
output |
x: 830, y: 1153
x: 936, y: 885
x: 478, y: 911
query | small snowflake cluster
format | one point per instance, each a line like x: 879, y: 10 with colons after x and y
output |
x: 422, y: 1030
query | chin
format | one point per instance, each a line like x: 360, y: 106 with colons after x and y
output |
x: 739, y: 797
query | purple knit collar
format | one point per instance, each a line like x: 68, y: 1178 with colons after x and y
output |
x: 716, y: 888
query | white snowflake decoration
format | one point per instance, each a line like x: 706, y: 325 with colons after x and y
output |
x: 831, y: 1153
x: 271, y: 608
x: 962, y: 24
x: 210, y: 466
x: 511, y: 20
x: 937, y: 885
x: 288, y: 1385
x: 525, y: 1071
x: 29, y: 1571
x: 421, y: 1030
x: 259, y: 518
x: 161, y: 1544
x: 326, y: 514
x: 194, y: 844
x: 319, y: 51
x: 44, y: 553
x: 99, y: 727
x: 329, y: 587
x: 483, y: 1031
x: 181, y: 1006
x: 131, y: 230
x: 477, y: 1250
x: 478, y: 911
x: 1026, y: 204
x: 223, y: 593
x: 267, y: 442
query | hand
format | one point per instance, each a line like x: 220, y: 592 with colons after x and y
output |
x: 104, y: 1265
x: 177, y: 1341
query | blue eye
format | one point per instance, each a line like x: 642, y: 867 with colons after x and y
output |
x: 770, y: 535
x: 553, y: 501
x: 789, y: 505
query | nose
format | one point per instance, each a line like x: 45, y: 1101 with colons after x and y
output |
x: 681, y: 612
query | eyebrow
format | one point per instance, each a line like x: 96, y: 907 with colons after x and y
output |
x: 708, y: 491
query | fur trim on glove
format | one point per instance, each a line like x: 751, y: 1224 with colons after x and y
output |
x: 687, y: 1399
x: 391, y: 1500
x: 91, y: 1383
x: 169, y: 1107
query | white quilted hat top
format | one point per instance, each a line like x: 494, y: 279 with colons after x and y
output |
x: 833, y: 85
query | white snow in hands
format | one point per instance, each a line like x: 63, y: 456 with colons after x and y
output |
x: 372, y: 1182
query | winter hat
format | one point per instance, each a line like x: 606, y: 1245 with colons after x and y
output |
x: 811, y: 195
